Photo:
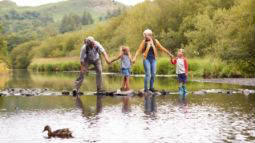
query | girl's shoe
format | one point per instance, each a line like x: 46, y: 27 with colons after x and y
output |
x: 122, y: 89
x: 153, y: 90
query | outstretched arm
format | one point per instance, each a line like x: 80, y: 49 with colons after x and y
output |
x: 129, y: 55
x: 106, y: 57
x: 164, y: 49
x: 82, y: 56
x: 117, y: 58
x: 138, y: 51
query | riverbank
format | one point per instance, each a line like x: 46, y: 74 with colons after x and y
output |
x: 206, y: 67
x: 3, y: 68
x: 238, y: 81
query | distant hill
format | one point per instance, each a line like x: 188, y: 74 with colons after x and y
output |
x: 22, y: 24
x: 97, y: 8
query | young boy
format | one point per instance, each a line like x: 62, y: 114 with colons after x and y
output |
x: 125, y: 57
x: 182, y: 71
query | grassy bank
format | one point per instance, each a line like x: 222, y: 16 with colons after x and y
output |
x: 206, y: 67
x: 3, y: 68
x: 55, y: 64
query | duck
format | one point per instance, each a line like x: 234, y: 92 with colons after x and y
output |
x: 61, y: 133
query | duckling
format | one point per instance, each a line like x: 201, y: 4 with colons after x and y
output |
x: 61, y: 133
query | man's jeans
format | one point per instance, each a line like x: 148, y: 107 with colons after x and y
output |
x: 150, y: 72
x: 98, y: 68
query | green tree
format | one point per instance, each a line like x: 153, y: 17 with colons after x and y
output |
x: 202, y: 37
x: 3, y: 48
x: 21, y: 56
x: 69, y: 23
x: 86, y: 18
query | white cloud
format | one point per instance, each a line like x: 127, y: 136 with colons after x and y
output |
x: 130, y: 2
x: 34, y: 2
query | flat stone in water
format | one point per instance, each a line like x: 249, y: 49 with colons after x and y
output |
x: 47, y: 92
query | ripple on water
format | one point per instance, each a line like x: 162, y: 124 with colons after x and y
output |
x: 170, y: 123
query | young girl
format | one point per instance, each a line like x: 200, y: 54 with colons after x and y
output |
x: 125, y: 57
x: 182, y: 71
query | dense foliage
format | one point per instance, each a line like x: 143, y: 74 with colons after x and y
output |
x: 72, y: 22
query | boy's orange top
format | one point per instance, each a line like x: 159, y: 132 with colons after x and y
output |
x: 155, y: 48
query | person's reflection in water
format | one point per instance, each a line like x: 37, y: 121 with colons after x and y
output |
x: 150, y: 106
x: 87, y: 111
x: 126, y: 107
x: 99, y: 106
x: 183, y: 101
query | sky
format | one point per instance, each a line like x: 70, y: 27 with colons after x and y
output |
x: 40, y: 2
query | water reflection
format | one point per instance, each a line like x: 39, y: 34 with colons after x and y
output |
x: 126, y: 104
x: 21, y: 78
x: 99, y: 106
x: 87, y: 111
x: 183, y: 101
x: 64, y: 81
x: 150, y: 106
x: 211, y: 118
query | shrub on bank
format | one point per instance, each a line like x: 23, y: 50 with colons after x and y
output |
x: 70, y: 66
x: 206, y: 67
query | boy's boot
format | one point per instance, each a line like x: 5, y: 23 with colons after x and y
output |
x: 184, y: 91
x: 180, y: 92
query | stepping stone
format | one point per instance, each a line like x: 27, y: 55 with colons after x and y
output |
x: 124, y: 93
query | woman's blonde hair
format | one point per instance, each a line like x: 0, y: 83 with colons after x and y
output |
x: 147, y: 31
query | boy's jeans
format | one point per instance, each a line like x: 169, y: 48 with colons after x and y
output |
x: 150, y: 72
x: 98, y: 68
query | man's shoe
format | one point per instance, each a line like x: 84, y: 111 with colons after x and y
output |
x: 75, y: 93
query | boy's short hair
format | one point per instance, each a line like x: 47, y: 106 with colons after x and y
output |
x: 181, y: 50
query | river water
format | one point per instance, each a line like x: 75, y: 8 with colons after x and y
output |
x: 199, y: 118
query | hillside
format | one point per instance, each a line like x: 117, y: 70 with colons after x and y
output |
x: 57, y: 10
x: 23, y: 24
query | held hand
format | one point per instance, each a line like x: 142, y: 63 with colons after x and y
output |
x: 108, y: 62
x: 170, y: 55
x: 133, y: 61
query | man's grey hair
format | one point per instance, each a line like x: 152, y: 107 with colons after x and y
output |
x: 89, y: 39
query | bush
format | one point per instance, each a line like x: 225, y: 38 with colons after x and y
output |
x: 115, y: 67
x: 164, y: 66
x: 137, y: 68
x: 21, y: 56
x: 70, y: 66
